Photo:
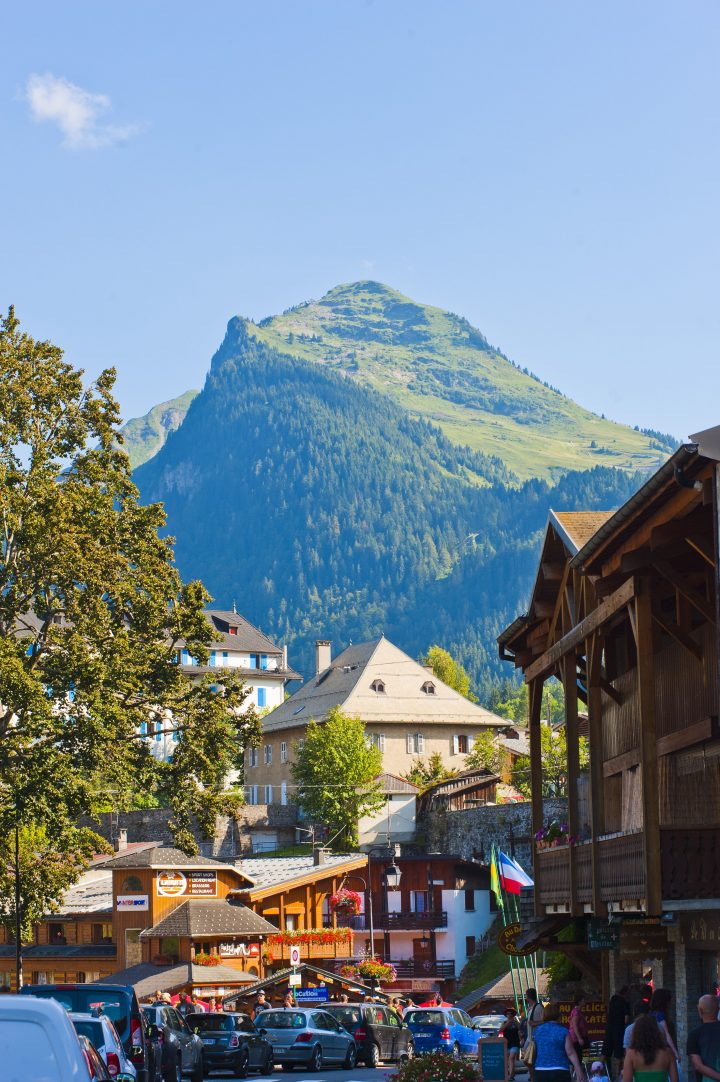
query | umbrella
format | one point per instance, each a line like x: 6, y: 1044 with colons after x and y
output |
x: 432, y: 1003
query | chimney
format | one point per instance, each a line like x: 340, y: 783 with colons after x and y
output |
x: 320, y: 856
x: 284, y: 659
x: 323, y: 655
x: 121, y: 841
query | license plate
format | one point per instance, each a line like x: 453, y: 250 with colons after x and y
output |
x: 423, y: 1034
x: 209, y: 1040
x: 278, y: 1048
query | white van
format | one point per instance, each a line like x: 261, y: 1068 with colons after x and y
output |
x: 38, y: 1042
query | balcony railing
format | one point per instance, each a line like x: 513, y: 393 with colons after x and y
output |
x: 441, y: 969
x: 388, y: 922
x: 314, y: 950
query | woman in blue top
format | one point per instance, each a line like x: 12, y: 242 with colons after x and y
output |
x: 555, y: 1051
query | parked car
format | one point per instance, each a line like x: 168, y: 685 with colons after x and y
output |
x: 307, y: 1038
x: 38, y: 1040
x: 442, y: 1029
x: 230, y: 1040
x: 380, y: 1035
x: 181, y: 1049
x: 101, y: 1032
x: 488, y: 1025
x: 119, y: 1003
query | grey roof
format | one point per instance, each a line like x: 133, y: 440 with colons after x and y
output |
x: 161, y: 856
x: 328, y: 689
x: 91, y: 894
x: 272, y: 871
x: 239, y: 670
x: 248, y: 639
x: 518, y: 745
x: 198, y: 917
x: 280, y: 976
x: 146, y: 978
x: 62, y: 951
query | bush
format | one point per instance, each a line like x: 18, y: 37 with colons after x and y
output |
x: 437, y: 1067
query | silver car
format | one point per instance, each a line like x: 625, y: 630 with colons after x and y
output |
x: 307, y: 1037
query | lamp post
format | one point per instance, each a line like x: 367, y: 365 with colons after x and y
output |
x: 391, y: 876
x: 18, y: 914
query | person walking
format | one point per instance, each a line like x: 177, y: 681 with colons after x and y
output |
x: 641, y: 1007
x: 578, y: 1025
x: 261, y: 1004
x: 660, y: 1010
x: 618, y: 1017
x: 554, y: 1049
x: 510, y: 1030
x: 533, y: 1018
x: 649, y: 1059
x: 703, y: 1043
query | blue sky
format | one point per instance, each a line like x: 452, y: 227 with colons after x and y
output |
x: 548, y: 169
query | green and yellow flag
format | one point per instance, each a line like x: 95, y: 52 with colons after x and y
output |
x: 495, y: 881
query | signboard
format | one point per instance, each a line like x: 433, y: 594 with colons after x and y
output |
x: 701, y: 931
x: 295, y: 980
x: 602, y: 936
x: 239, y: 950
x: 492, y: 1055
x: 641, y: 939
x: 123, y: 902
x: 190, y: 884
x: 311, y: 995
x: 595, y: 1015
x: 295, y: 956
x: 507, y: 940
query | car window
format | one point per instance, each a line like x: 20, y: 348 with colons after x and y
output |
x: 282, y: 1020
x: 201, y: 1023
x: 174, y: 1019
x: 394, y: 1020
x: 466, y: 1019
x: 245, y: 1024
x: 377, y: 1016
x: 92, y: 1030
x: 425, y: 1018
x: 320, y: 1020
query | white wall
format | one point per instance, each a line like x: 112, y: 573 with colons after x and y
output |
x: 451, y: 942
x: 397, y: 816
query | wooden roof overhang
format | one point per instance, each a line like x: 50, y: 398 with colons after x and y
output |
x: 317, y: 872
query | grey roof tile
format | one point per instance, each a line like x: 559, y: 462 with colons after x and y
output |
x: 271, y: 871
x: 197, y: 917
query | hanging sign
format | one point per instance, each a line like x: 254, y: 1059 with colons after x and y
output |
x: 602, y: 936
x: 507, y: 941
x: 190, y: 884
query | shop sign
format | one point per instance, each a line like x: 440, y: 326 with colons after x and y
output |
x: 191, y: 884
x: 419, y: 985
x: 311, y: 995
x: 602, y: 936
x: 595, y: 1015
x: 701, y: 931
x: 239, y: 950
x: 132, y: 901
x: 641, y: 939
x: 507, y: 940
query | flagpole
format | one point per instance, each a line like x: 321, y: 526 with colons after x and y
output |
x: 503, y: 911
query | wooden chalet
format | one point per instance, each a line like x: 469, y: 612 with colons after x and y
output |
x: 624, y: 611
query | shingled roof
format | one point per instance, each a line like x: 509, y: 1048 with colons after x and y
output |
x: 198, y: 917
x: 146, y: 978
x: 577, y: 527
x: 161, y: 856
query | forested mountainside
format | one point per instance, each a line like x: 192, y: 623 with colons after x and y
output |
x: 324, y: 509
x: 144, y: 436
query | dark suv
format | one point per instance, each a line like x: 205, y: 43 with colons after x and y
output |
x: 379, y: 1032
x: 181, y: 1049
x: 119, y: 1003
x: 230, y: 1040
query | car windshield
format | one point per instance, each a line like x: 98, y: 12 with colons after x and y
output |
x: 86, y: 1000
x: 425, y: 1018
x: 487, y: 1020
x: 92, y: 1030
x: 347, y: 1016
x: 201, y: 1023
x: 282, y: 1020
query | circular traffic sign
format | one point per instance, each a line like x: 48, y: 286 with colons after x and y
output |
x: 294, y: 956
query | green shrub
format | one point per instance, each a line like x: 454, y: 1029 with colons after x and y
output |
x: 437, y: 1067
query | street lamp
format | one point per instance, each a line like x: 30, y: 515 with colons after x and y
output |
x: 392, y: 875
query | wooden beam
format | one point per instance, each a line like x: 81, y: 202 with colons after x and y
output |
x: 610, y: 691
x: 707, y: 729
x: 702, y: 549
x: 648, y: 747
x: 620, y: 763
x: 703, y: 607
x: 680, y: 637
x: 558, y: 604
x: 535, y: 695
x: 569, y: 678
x: 607, y: 608
x: 597, y: 793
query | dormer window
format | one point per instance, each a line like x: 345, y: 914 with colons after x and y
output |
x: 428, y: 687
x: 378, y: 686
x: 232, y: 630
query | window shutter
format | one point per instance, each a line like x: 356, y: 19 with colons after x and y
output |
x: 382, y: 742
x: 283, y: 793
x: 470, y: 742
x: 409, y: 742
x: 420, y: 743
x: 456, y: 745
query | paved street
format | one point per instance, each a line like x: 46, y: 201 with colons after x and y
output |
x: 330, y: 1074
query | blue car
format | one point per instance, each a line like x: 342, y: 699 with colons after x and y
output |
x: 442, y: 1029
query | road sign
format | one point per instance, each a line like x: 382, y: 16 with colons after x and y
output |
x: 295, y: 980
x: 294, y: 956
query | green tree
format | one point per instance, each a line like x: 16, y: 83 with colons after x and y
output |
x: 93, y: 614
x: 484, y: 754
x: 335, y: 771
x: 47, y: 868
x: 554, y: 759
x: 511, y: 701
x: 424, y: 773
x: 449, y: 671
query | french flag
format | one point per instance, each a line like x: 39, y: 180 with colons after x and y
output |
x: 512, y: 876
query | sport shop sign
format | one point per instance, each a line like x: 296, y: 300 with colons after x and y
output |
x: 239, y: 950
x: 190, y: 884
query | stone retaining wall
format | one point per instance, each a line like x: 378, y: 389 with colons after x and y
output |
x: 472, y: 831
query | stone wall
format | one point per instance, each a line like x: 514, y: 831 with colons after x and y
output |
x: 232, y: 836
x: 472, y: 831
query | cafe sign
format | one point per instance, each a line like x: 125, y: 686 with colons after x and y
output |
x: 701, y: 931
x: 239, y: 950
x: 643, y: 939
x: 190, y: 884
x: 507, y: 940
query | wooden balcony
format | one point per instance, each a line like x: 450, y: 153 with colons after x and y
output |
x: 314, y: 951
x: 400, y: 921
x: 690, y: 862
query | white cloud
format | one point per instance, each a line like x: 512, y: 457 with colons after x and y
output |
x: 76, y: 112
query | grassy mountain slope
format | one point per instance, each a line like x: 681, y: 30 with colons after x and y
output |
x: 325, y: 509
x: 144, y: 436
x: 440, y: 368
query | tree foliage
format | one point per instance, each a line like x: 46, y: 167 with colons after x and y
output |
x: 335, y: 771
x: 553, y: 747
x: 450, y: 671
x: 485, y: 753
x: 424, y: 772
x: 92, y: 614
x: 510, y: 700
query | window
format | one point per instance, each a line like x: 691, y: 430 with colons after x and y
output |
x: 101, y: 933
x: 268, y: 754
x: 283, y: 792
x: 419, y: 901
x: 254, y: 756
x: 232, y: 631
x: 132, y: 884
x: 469, y: 901
x: 212, y: 659
x: 428, y: 687
x: 378, y: 686
x: 290, y: 922
x: 252, y: 794
x: 263, y: 661
x: 469, y: 945
x: 56, y: 933
x: 262, y: 696
x: 415, y: 743
x: 158, y: 731
x: 460, y: 745
x: 268, y: 794
x: 376, y: 740
x: 283, y: 751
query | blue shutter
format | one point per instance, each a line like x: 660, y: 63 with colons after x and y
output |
x: 212, y: 659
x: 263, y: 661
x: 261, y: 696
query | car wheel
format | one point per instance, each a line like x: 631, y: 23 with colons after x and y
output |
x: 196, y: 1074
x: 372, y: 1058
x: 407, y: 1054
x: 269, y: 1064
x: 241, y: 1067
x: 316, y: 1058
x: 456, y: 1051
x: 350, y: 1058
